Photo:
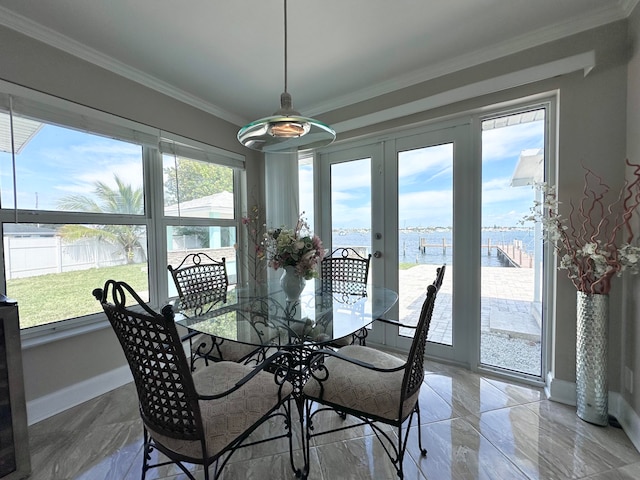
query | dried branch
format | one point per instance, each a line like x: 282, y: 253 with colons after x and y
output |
x: 588, y: 246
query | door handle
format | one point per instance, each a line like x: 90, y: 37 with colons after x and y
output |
x: 377, y: 254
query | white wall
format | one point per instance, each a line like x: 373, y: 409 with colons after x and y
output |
x: 62, y: 373
x: 630, y: 319
x: 591, y: 130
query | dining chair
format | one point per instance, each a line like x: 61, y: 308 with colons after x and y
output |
x: 344, y: 273
x: 200, y: 278
x: 345, y: 270
x: 198, y: 418
x: 371, y: 385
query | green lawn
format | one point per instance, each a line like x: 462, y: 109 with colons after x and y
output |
x: 49, y: 298
x: 406, y: 265
x: 58, y: 296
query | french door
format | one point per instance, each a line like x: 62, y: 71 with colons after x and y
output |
x: 396, y: 200
x: 444, y: 196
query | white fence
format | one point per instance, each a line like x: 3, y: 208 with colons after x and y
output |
x: 32, y: 256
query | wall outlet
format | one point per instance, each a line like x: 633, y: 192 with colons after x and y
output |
x: 628, y: 379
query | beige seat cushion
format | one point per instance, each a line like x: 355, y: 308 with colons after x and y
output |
x: 362, y: 389
x: 225, y: 419
x: 229, y: 350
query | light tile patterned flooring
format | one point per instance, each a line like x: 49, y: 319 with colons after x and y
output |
x: 474, y: 427
x: 504, y: 289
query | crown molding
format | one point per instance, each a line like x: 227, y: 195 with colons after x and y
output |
x: 46, y: 35
x: 583, y: 61
x: 628, y: 6
x: 604, y: 15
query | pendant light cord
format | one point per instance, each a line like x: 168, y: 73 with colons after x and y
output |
x: 285, y: 46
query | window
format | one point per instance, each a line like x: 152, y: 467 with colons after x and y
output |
x: 201, y: 195
x: 305, y: 187
x: 51, y: 268
x: 86, y: 197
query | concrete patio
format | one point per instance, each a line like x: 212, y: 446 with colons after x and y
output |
x: 510, y: 328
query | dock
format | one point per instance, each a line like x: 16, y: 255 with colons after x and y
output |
x: 513, y: 254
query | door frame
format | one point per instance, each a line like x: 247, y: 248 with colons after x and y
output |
x: 467, y: 194
x: 384, y: 188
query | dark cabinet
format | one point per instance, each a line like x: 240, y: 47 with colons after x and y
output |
x: 14, y: 445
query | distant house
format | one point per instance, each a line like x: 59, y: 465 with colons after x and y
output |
x: 22, y: 230
x: 218, y: 205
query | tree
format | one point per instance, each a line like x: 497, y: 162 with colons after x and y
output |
x: 196, y: 180
x: 123, y: 199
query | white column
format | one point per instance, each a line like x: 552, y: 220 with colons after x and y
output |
x: 281, y: 195
x: 281, y: 189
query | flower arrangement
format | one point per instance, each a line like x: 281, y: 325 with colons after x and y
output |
x: 296, y: 248
x: 594, y: 242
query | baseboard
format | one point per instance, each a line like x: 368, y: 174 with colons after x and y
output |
x: 560, y: 390
x: 565, y: 392
x: 626, y: 416
x: 56, y: 402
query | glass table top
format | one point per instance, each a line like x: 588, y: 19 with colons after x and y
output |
x: 319, y: 316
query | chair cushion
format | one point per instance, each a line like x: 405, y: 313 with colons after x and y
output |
x: 361, y: 389
x: 226, y: 418
x: 229, y: 350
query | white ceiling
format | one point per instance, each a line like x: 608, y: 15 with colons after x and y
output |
x: 227, y: 56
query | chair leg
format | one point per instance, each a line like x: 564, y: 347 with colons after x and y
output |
x: 423, y: 451
x: 306, y: 425
x: 146, y: 454
x: 401, y: 444
x: 289, y: 427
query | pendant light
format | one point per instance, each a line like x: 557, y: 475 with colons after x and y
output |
x: 286, y: 130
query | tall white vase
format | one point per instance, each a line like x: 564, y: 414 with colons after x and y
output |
x: 292, y: 284
x: 592, y: 336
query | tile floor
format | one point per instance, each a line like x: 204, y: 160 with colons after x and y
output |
x: 474, y: 427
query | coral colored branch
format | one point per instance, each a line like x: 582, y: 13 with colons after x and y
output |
x: 587, y: 240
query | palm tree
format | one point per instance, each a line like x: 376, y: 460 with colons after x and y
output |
x: 123, y: 199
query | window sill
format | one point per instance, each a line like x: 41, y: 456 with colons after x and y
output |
x: 35, y: 336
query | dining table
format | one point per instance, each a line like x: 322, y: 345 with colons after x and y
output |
x: 263, y: 317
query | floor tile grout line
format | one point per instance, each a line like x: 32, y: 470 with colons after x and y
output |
x: 498, y: 449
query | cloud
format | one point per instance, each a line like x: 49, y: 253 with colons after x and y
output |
x: 507, y: 142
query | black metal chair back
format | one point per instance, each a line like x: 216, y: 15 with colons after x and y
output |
x: 152, y: 347
x: 345, y: 271
x: 414, y: 375
x: 198, y: 273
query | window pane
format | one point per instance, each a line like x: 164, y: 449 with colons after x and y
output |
x: 217, y: 242
x: 52, y: 269
x: 305, y: 188
x: 198, y: 189
x: 425, y: 237
x: 59, y: 168
x: 512, y: 160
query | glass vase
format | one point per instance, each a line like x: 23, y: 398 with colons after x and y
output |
x: 292, y: 284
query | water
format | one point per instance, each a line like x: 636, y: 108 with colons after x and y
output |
x: 410, y: 240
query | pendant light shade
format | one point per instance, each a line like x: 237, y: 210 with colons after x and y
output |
x: 286, y: 130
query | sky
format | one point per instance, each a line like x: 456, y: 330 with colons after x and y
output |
x: 58, y: 162
x: 425, y: 185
